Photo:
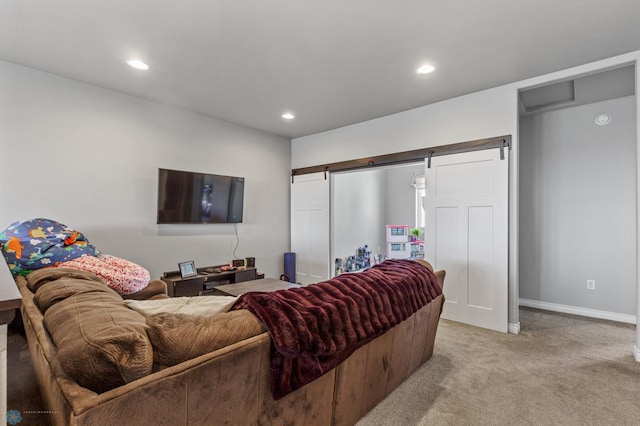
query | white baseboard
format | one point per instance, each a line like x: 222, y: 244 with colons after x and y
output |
x: 585, y: 312
x: 636, y: 352
x: 514, y: 328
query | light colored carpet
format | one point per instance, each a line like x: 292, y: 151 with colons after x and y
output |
x: 560, y: 370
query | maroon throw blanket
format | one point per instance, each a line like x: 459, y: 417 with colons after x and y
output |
x: 315, y: 328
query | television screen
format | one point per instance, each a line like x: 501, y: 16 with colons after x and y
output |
x: 189, y: 197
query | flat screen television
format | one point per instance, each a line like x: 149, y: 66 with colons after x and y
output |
x: 190, y: 197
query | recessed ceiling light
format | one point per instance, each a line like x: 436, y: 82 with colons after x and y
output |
x: 603, y: 119
x: 288, y: 116
x: 137, y: 64
x: 426, y: 69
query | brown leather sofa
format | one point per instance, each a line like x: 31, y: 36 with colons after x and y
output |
x: 231, y: 385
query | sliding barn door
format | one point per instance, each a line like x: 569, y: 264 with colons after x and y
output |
x: 310, y: 227
x: 467, y: 234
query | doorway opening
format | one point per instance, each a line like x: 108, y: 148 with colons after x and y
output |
x: 577, y: 196
x: 364, y: 203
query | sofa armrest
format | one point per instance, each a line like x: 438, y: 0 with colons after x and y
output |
x: 157, y: 289
x: 440, y: 276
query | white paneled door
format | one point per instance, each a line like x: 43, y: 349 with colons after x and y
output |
x: 310, y: 204
x: 467, y: 234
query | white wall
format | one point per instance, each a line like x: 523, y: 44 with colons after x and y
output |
x: 577, y: 207
x: 358, y: 205
x: 89, y: 158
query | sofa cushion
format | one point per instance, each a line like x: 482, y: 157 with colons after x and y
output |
x: 179, y: 337
x: 101, y: 343
x: 51, y: 291
x: 44, y: 276
x: 189, y: 305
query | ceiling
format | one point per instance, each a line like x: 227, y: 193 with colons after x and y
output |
x: 330, y: 62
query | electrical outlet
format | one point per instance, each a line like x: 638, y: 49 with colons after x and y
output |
x: 591, y: 284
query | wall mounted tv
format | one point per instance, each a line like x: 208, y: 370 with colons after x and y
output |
x: 189, y: 197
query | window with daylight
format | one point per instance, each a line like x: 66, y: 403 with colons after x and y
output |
x: 419, y: 185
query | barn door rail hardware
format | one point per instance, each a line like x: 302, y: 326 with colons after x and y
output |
x: 413, y: 156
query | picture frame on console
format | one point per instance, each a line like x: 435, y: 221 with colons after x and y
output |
x: 187, y: 269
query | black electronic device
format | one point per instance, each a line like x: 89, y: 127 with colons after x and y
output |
x: 187, y: 269
x: 190, y: 197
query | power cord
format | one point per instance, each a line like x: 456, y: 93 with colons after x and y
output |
x: 235, y: 226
